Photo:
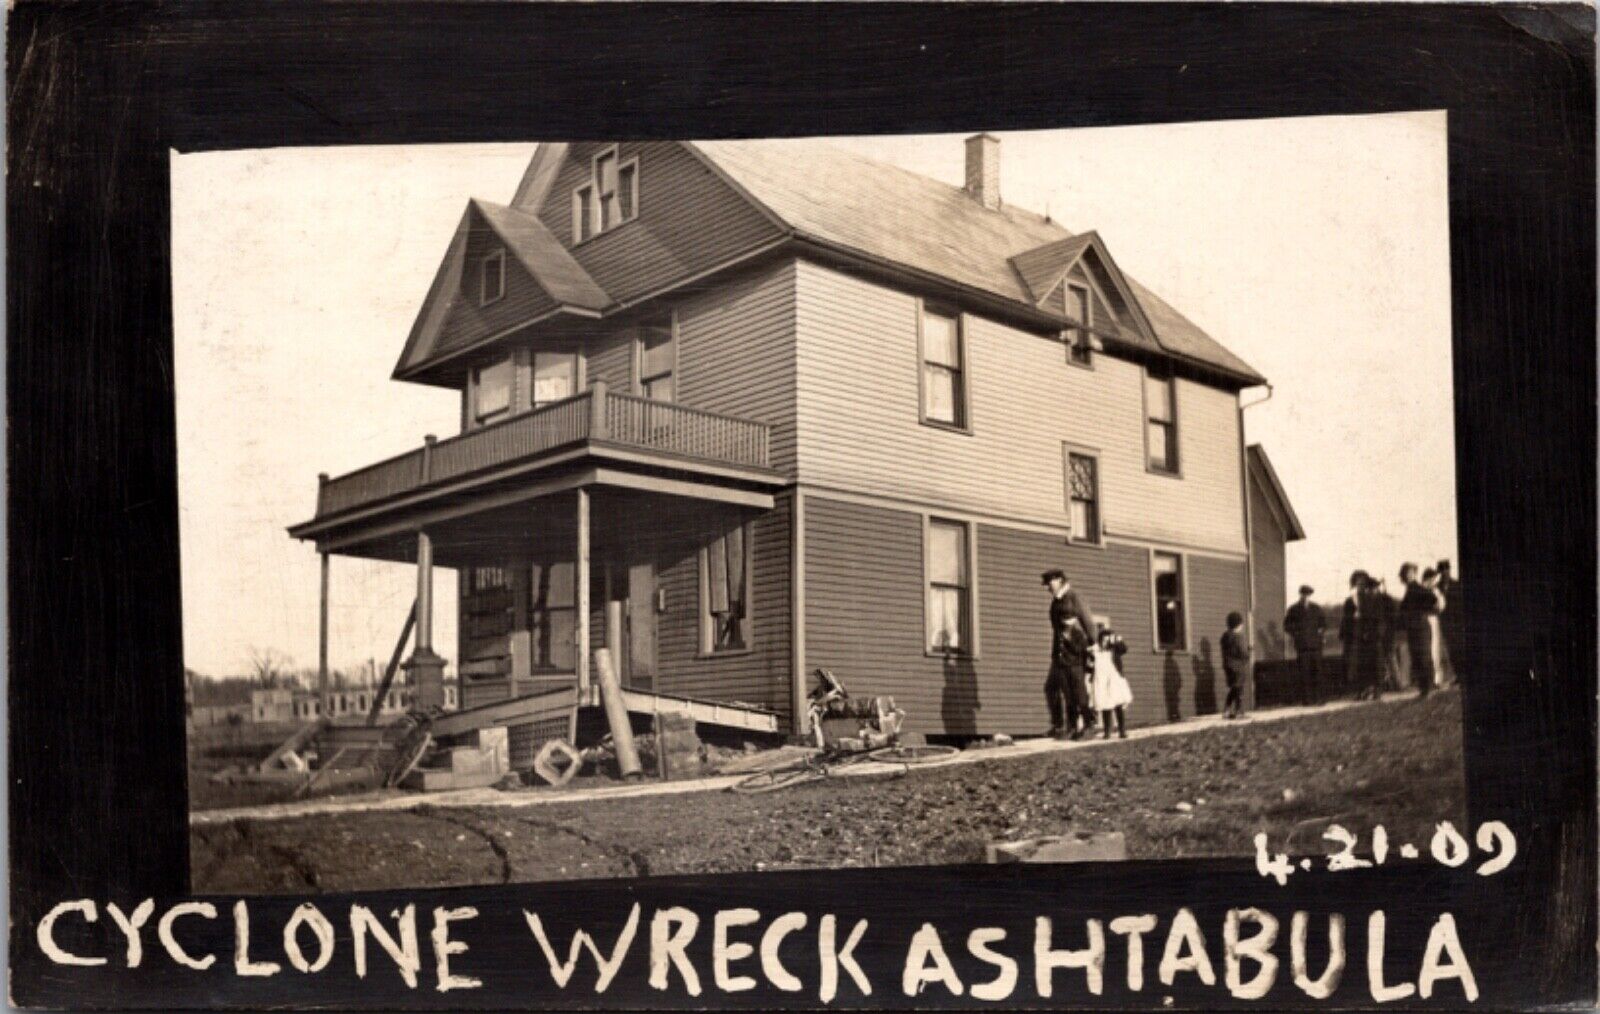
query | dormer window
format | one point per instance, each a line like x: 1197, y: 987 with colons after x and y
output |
x: 1080, y: 351
x: 608, y: 199
x: 492, y: 277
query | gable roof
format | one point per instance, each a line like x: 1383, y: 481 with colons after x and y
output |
x: 1267, y: 478
x: 548, y: 263
x: 843, y: 199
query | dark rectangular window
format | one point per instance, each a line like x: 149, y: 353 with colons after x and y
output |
x: 944, y: 399
x: 949, y: 587
x: 725, y: 585
x: 1161, y: 422
x: 605, y: 184
x: 553, y: 615
x: 1083, y: 496
x: 1167, y: 575
x: 1079, y: 349
x: 628, y: 189
x: 492, y: 278
x: 658, y: 356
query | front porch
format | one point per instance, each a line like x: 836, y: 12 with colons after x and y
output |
x: 599, y: 521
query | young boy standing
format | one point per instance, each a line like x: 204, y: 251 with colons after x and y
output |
x: 1235, y: 663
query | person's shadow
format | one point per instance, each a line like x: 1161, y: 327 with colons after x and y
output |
x: 1172, y: 686
x: 1205, y: 680
x: 958, y: 705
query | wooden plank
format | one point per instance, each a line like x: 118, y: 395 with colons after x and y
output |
x: 324, y: 690
x: 641, y: 623
x: 511, y: 712
x: 300, y: 738
x: 394, y: 665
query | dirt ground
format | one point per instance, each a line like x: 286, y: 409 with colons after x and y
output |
x: 1398, y: 764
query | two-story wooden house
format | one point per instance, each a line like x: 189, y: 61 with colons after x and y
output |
x: 739, y: 409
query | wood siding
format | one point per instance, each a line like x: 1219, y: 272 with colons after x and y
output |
x: 1267, y: 553
x: 466, y: 321
x: 864, y: 618
x: 689, y: 220
x: 858, y: 375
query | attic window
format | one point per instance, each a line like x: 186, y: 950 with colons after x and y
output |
x: 492, y: 278
x: 1080, y: 351
x: 608, y: 199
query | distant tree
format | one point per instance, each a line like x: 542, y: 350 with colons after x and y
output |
x: 270, y: 667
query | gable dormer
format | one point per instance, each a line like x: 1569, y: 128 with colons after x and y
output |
x: 1076, y: 280
x: 503, y: 269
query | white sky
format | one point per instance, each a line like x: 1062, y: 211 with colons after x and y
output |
x: 1315, y: 248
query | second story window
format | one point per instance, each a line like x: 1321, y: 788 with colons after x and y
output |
x: 1079, y: 351
x: 944, y: 385
x: 555, y: 376
x: 492, y: 385
x: 492, y: 278
x: 1083, y: 496
x: 658, y: 361
x: 1161, y: 421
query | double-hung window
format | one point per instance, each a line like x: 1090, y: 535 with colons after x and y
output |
x: 553, y: 615
x: 725, y: 621
x: 949, y: 569
x: 1161, y: 421
x: 658, y: 360
x: 555, y: 376
x: 608, y: 198
x: 492, y: 277
x: 492, y: 387
x: 1167, y: 577
x: 944, y: 385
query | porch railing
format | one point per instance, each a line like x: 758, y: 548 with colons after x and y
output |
x: 593, y: 417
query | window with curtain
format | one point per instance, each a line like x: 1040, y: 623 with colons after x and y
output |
x: 1168, y: 578
x: 1161, y: 425
x: 658, y: 360
x: 553, y: 615
x: 949, y: 587
x: 943, y: 369
x: 555, y: 376
x: 725, y: 579
x: 493, y: 384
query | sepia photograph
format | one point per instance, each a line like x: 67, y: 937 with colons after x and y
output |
x: 581, y: 510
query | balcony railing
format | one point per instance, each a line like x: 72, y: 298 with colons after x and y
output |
x: 594, y: 417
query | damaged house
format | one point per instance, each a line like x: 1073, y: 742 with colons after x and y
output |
x: 738, y: 409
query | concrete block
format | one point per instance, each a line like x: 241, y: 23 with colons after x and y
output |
x: 494, y: 740
x: 1098, y: 847
x: 440, y: 780
x: 557, y: 762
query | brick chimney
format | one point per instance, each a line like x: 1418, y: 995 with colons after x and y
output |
x: 983, y: 169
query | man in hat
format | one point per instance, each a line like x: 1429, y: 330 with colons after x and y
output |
x: 1305, y: 625
x: 1072, y: 633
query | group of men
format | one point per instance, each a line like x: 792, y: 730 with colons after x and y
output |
x: 1427, y: 615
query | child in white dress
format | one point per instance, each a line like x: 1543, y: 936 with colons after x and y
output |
x: 1108, y: 689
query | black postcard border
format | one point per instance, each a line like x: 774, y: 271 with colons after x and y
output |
x: 99, y: 93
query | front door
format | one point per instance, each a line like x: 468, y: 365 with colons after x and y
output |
x: 639, y: 626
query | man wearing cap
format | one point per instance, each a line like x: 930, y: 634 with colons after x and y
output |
x: 1305, y: 624
x: 1071, y: 625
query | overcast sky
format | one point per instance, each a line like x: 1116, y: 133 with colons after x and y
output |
x: 1315, y: 248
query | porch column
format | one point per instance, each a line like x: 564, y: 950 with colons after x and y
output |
x: 583, y: 593
x: 324, y: 691
x: 425, y: 669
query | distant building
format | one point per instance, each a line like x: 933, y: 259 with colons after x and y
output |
x: 1273, y: 524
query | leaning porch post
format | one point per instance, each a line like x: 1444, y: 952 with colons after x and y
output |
x: 583, y: 594
x: 324, y: 691
x: 425, y: 669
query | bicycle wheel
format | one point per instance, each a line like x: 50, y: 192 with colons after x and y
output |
x: 778, y: 778
x: 906, y: 754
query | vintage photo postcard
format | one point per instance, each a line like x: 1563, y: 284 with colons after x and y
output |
x: 666, y: 563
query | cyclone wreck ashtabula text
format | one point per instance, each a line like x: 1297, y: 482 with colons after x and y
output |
x: 1252, y: 954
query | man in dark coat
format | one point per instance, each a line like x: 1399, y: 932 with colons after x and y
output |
x: 1072, y: 633
x: 1305, y: 625
x: 1417, y: 607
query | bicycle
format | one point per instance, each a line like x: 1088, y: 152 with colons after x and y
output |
x: 877, y: 740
